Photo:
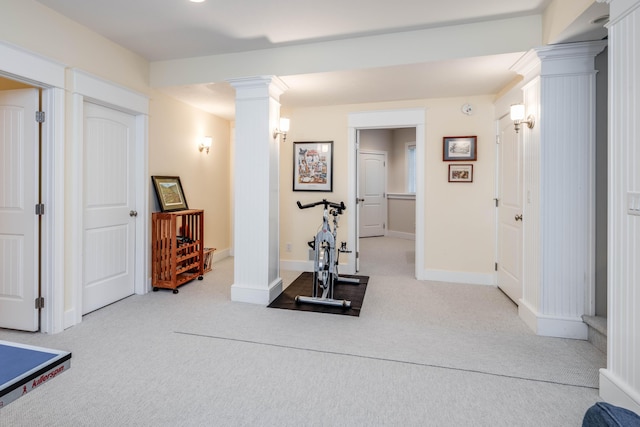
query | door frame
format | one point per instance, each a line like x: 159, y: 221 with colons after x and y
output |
x: 387, y: 119
x: 49, y: 76
x: 86, y: 87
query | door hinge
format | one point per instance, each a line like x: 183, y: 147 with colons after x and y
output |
x: 39, y: 303
x: 497, y: 201
x: 497, y: 139
x: 40, y: 209
x: 384, y: 226
x: 496, y: 266
x: 357, y: 254
x: 40, y: 116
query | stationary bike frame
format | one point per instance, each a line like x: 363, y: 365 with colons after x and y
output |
x: 325, y: 271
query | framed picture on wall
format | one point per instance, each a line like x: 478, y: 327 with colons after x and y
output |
x: 459, y: 148
x: 169, y: 193
x: 313, y: 166
x: 460, y: 173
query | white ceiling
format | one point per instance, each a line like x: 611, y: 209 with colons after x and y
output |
x: 161, y: 30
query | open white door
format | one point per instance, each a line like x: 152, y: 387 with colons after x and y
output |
x: 19, y: 225
x: 510, y: 219
x: 372, y: 194
x: 109, y: 206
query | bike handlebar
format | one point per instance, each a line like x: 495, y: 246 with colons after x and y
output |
x: 325, y: 203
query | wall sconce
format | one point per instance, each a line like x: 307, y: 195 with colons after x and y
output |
x: 205, y: 144
x: 284, y: 128
x: 517, y: 115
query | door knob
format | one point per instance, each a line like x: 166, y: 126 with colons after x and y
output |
x: 133, y: 213
x: 518, y: 217
x: 360, y: 200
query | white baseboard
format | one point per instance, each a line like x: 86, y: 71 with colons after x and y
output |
x: 255, y: 295
x: 459, y: 277
x: 552, y: 326
x: 219, y: 255
x: 401, y: 235
x: 618, y: 393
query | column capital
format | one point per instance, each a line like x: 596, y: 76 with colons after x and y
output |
x: 568, y: 58
x: 256, y: 86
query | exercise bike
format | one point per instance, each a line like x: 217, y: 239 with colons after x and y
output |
x: 326, y: 258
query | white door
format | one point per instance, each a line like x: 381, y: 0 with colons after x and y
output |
x: 510, y: 187
x: 19, y: 225
x: 109, y: 206
x: 372, y: 188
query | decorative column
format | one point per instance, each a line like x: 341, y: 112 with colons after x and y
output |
x: 256, y: 190
x: 559, y: 193
x: 620, y: 381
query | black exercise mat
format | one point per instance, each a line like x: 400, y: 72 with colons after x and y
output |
x: 303, y: 285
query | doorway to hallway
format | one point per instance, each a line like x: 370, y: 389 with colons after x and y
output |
x: 386, y: 182
x: 390, y: 119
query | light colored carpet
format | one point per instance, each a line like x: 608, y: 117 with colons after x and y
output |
x: 421, y: 353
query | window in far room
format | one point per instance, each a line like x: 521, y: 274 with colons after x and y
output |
x: 410, y: 156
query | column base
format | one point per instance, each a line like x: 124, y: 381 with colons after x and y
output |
x: 614, y: 391
x: 256, y: 295
x: 553, y: 326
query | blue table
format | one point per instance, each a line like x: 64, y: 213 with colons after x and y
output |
x: 24, y: 367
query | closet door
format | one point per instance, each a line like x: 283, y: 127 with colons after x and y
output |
x: 19, y: 224
x: 510, y: 211
x: 109, y: 219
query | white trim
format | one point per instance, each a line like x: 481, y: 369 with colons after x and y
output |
x: 30, y: 67
x: 461, y: 277
x: 620, y: 9
x: 143, y: 266
x: 106, y: 93
x: 255, y: 295
x: 219, y: 255
x: 385, y: 119
x: 52, y: 232
x: 616, y: 392
x: 74, y: 233
x: 552, y: 326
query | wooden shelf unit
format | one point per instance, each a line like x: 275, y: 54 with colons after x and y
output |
x: 177, y: 248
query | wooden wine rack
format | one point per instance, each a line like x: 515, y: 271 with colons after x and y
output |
x: 177, y: 248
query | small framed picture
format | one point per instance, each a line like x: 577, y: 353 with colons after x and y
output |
x: 169, y: 193
x: 313, y: 166
x: 460, y: 173
x: 459, y: 148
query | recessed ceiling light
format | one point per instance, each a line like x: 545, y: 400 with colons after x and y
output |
x: 197, y: 1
